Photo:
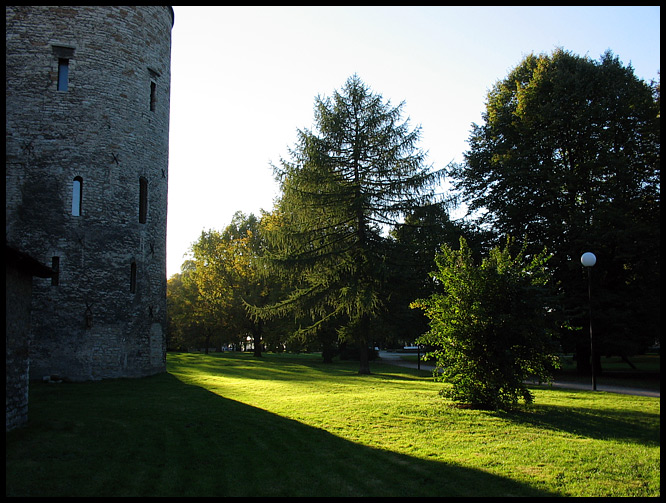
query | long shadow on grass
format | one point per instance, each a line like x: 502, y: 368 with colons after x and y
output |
x: 158, y: 436
x: 627, y: 425
x: 283, y: 457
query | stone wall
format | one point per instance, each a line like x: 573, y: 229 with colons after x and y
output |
x: 19, y: 271
x: 104, y: 314
x: 18, y: 285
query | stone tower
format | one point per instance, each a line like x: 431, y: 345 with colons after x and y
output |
x: 87, y: 135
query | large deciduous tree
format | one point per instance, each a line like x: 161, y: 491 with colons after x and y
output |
x: 359, y: 170
x: 182, y: 323
x: 568, y: 155
x: 228, y: 275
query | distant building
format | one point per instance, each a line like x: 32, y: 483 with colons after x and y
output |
x: 87, y: 135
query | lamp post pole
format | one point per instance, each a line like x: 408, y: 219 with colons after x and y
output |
x: 588, y: 260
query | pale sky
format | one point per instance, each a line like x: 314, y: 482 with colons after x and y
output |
x: 244, y: 80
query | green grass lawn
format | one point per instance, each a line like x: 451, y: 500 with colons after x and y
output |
x: 290, y: 425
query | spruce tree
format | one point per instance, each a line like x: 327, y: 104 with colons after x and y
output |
x: 357, y: 172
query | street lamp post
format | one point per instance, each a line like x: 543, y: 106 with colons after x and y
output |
x: 588, y: 260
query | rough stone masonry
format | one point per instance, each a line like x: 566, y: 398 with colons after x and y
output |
x: 87, y: 132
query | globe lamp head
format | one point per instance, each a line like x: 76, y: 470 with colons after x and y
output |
x: 588, y: 259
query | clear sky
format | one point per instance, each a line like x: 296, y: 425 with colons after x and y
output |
x: 244, y: 80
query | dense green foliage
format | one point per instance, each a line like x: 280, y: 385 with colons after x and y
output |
x: 490, y: 325
x: 568, y: 154
x: 223, y: 275
x: 418, y: 240
x: 358, y: 171
x: 183, y: 331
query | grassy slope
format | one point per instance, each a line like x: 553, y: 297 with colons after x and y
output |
x: 233, y: 425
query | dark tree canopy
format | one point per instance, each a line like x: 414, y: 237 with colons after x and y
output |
x: 417, y: 241
x: 568, y: 156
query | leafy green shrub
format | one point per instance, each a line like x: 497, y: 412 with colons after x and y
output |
x: 490, y: 325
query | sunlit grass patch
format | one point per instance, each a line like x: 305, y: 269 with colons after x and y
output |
x: 400, y: 410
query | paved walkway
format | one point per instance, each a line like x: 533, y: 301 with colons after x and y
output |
x: 395, y: 359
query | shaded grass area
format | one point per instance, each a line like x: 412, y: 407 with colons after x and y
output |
x: 645, y: 373
x: 234, y: 425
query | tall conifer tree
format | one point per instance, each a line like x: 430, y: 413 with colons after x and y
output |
x: 359, y: 171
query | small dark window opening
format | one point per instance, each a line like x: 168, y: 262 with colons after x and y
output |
x: 143, y: 200
x: 133, y: 277
x: 77, y: 196
x: 55, y: 265
x: 63, y: 74
x: 153, y: 95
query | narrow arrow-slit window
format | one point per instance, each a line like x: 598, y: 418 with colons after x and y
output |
x: 143, y: 200
x: 133, y: 277
x: 77, y: 196
x: 63, y: 74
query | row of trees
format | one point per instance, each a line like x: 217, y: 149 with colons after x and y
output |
x: 206, y: 301
x: 567, y: 160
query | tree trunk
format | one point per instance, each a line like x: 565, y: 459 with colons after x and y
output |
x: 363, y: 354
x: 364, y: 361
x: 207, y: 341
x: 583, y: 363
x: 327, y: 351
x: 583, y: 366
x: 626, y: 360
